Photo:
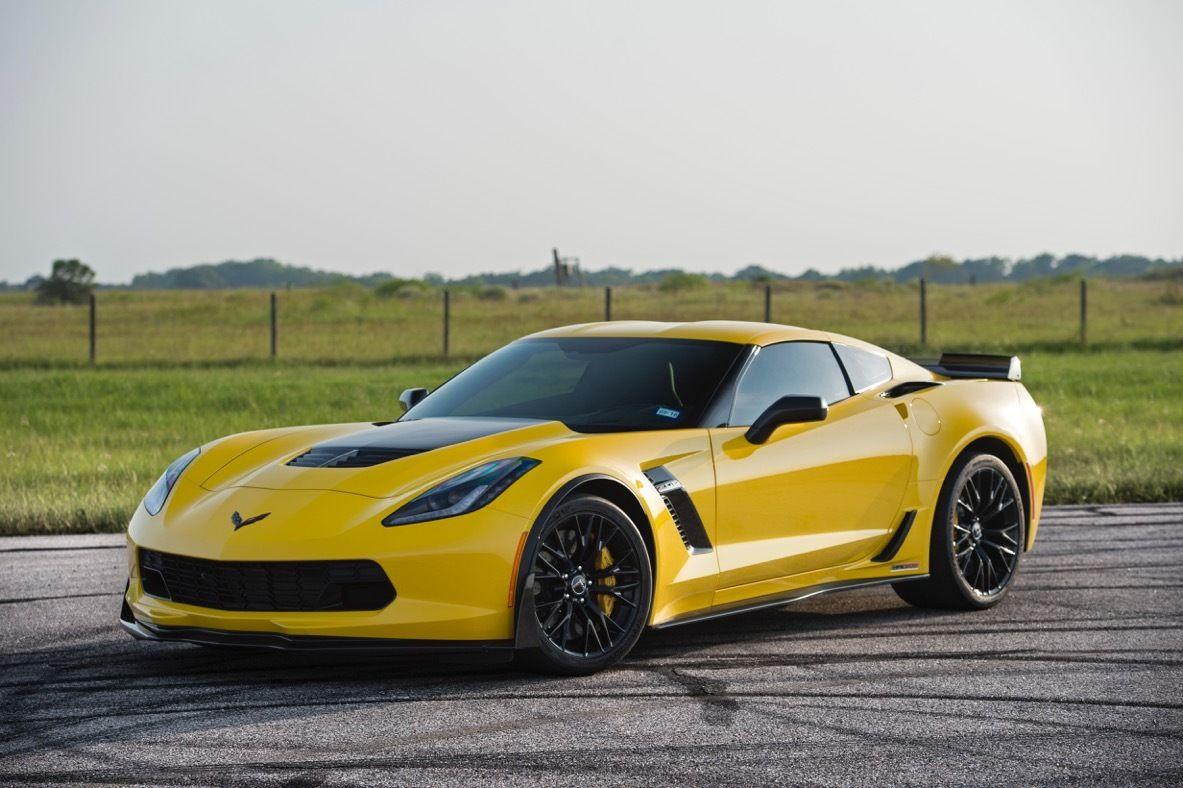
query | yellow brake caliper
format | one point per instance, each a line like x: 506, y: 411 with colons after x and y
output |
x: 607, y: 601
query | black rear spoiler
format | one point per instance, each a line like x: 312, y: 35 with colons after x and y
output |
x: 976, y: 365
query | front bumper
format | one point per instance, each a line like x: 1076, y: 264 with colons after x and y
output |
x: 486, y: 650
x: 452, y: 577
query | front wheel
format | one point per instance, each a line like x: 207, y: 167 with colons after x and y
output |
x: 592, y: 588
x: 978, y: 532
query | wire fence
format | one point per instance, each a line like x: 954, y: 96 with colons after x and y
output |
x: 352, y: 324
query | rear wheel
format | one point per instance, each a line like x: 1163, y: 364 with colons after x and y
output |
x: 978, y: 533
x: 592, y: 588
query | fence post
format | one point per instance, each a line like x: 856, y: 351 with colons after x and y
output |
x: 93, y: 336
x: 274, y: 326
x: 1084, y: 310
x: 607, y: 304
x: 767, y: 303
x: 447, y: 319
x: 923, y: 314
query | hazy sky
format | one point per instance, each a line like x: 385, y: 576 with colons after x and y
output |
x: 460, y: 137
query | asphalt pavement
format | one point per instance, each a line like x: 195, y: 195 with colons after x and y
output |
x: 1076, y: 677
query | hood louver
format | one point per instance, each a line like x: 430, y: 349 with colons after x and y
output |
x: 346, y: 457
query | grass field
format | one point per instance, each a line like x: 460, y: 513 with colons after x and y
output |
x: 352, y: 324
x: 82, y: 445
x: 178, y: 368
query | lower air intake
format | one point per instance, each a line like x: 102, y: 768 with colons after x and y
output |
x: 266, y: 585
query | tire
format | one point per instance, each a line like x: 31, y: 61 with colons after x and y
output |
x: 978, y: 532
x: 587, y: 544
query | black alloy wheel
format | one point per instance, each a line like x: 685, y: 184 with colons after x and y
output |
x: 978, y: 533
x: 592, y: 587
x: 987, y: 520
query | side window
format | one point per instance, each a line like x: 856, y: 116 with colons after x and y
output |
x: 866, y: 369
x: 801, y: 368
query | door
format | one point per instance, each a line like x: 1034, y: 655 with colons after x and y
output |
x: 815, y: 495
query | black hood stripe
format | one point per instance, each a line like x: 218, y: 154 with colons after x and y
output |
x: 401, y: 439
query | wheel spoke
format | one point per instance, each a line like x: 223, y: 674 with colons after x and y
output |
x: 998, y: 547
x: 558, y: 552
x: 974, y: 496
x: 603, y: 589
x: 996, y: 489
x: 562, y: 621
x: 588, y: 609
x: 624, y: 599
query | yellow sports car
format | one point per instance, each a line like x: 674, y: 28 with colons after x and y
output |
x: 559, y: 496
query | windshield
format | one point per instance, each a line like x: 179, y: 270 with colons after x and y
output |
x: 589, y: 384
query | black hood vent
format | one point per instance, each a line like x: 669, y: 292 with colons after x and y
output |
x: 346, y: 457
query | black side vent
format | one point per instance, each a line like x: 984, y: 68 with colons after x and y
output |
x: 897, y: 539
x: 909, y: 387
x: 681, y: 509
x: 347, y: 457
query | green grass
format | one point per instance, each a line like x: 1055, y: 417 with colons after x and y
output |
x: 352, y: 324
x: 82, y: 445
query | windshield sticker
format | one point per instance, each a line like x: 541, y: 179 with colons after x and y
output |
x: 669, y: 413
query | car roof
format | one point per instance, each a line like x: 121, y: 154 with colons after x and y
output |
x: 742, y: 332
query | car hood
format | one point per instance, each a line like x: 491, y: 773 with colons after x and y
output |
x: 380, y: 460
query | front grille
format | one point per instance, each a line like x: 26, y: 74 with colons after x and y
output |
x: 266, y: 585
x: 346, y: 457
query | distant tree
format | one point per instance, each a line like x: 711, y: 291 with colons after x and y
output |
x: 756, y: 273
x: 1038, y: 267
x: 941, y: 268
x: 681, y: 280
x: 70, y: 282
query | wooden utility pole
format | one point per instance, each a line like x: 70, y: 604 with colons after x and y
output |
x: 447, y: 319
x: 767, y: 303
x: 274, y: 326
x: 923, y: 314
x: 93, y: 327
x: 1084, y: 310
x: 607, y: 304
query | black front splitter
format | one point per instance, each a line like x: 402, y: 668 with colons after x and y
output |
x: 493, y: 651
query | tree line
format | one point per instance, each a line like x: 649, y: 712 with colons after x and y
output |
x: 71, y: 281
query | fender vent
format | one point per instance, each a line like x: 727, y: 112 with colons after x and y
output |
x: 347, y: 457
x: 681, y: 509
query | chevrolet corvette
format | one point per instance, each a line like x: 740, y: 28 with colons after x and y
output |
x: 560, y: 496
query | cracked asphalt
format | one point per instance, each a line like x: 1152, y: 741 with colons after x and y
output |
x: 1076, y: 677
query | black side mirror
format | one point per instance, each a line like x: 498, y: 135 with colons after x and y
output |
x: 411, y: 397
x: 786, y: 410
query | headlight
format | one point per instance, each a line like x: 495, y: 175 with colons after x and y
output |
x: 464, y: 493
x: 154, y: 500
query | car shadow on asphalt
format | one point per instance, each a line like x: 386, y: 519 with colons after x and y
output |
x: 811, y: 621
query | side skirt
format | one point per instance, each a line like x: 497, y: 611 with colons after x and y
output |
x: 778, y: 600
